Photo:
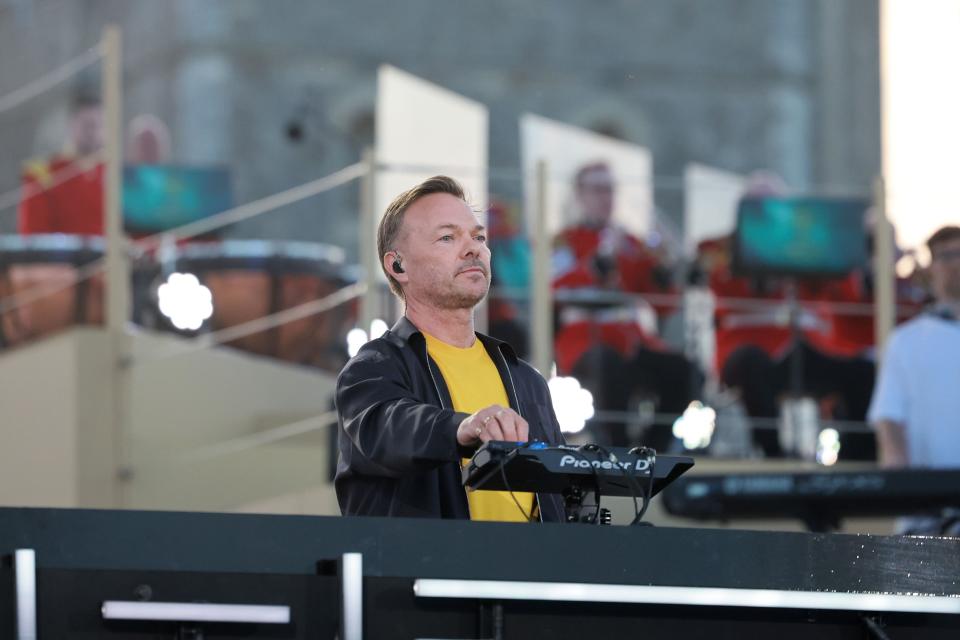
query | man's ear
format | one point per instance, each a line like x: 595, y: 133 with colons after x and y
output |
x: 393, y: 264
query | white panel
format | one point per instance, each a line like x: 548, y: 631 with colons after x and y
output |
x: 567, y: 148
x: 921, y: 115
x: 710, y: 203
x: 424, y: 130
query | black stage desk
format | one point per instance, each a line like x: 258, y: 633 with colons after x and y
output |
x: 438, y: 579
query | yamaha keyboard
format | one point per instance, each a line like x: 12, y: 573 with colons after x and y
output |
x: 817, y: 498
x: 541, y: 468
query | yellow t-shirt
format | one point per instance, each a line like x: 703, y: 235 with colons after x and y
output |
x: 474, y: 383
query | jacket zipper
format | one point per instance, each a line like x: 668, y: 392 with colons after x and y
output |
x: 506, y: 366
x: 436, y: 387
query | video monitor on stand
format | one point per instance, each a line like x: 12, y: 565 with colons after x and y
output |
x: 800, y: 237
x: 158, y: 198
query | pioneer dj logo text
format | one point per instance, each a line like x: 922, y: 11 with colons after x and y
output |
x: 641, y: 465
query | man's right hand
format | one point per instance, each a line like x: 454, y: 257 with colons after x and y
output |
x: 493, y: 423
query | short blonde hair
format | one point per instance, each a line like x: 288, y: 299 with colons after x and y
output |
x: 392, y: 221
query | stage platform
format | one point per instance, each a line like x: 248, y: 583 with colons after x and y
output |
x: 409, y: 578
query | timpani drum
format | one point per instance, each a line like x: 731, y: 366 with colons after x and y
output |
x: 39, y: 275
x: 250, y: 279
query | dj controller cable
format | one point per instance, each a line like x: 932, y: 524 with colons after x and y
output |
x: 635, y: 489
x: 576, y: 452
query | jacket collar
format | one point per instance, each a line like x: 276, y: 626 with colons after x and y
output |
x: 407, y: 331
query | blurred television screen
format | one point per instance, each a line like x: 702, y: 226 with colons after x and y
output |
x: 161, y: 197
x: 800, y: 236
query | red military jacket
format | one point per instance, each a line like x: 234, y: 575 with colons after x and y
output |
x: 635, y: 265
x: 632, y: 270
x: 62, y: 194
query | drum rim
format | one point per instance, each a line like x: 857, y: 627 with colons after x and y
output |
x: 271, y: 256
x: 49, y: 247
x: 259, y: 249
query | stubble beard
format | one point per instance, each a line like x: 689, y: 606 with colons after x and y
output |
x: 452, y: 299
x: 440, y: 292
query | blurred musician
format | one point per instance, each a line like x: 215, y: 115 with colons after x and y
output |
x: 611, y: 344
x: 64, y: 193
x: 916, y: 404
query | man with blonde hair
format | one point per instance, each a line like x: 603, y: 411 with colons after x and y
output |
x: 415, y: 403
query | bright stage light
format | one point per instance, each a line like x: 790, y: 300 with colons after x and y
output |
x: 184, y: 301
x: 695, y: 427
x: 377, y: 328
x: 906, y: 265
x: 828, y: 447
x: 356, y: 338
x: 572, y: 403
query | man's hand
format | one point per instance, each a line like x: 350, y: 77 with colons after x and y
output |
x: 493, y: 423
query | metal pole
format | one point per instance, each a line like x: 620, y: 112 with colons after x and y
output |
x: 118, y: 311
x: 117, y: 264
x: 884, y: 278
x: 541, y: 316
x: 481, y: 313
x: 369, y: 260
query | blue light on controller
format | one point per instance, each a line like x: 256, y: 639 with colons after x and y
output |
x: 536, y: 444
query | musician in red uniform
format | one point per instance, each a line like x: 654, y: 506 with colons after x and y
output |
x: 612, y: 346
x: 64, y: 193
x: 597, y: 252
x: 756, y: 344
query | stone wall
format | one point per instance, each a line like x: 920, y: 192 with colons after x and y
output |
x: 791, y: 85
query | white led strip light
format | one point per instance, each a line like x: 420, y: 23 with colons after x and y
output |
x: 351, y: 585
x: 195, y: 612
x: 25, y: 562
x: 689, y: 596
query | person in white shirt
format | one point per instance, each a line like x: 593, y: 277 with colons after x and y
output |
x: 915, y: 408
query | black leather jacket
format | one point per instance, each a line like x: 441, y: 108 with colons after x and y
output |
x: 397, y: 431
